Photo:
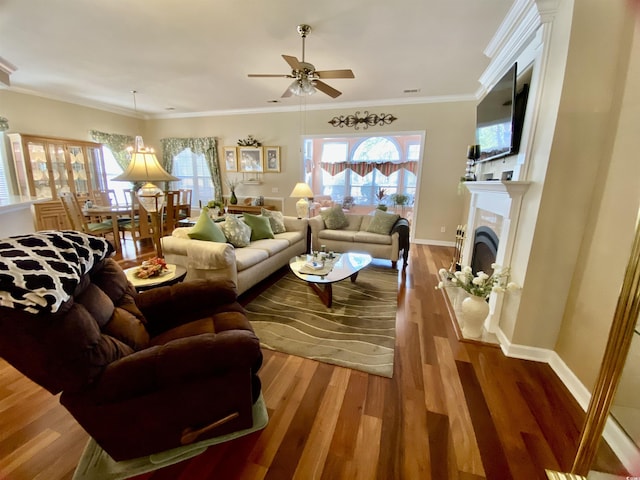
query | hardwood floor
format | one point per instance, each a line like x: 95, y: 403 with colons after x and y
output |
x: 453, y: 410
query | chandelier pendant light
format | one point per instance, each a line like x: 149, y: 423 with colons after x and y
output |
x: 144, y: 167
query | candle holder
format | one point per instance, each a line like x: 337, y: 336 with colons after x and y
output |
x: 473, y: 153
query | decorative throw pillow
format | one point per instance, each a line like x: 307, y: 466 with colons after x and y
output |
x: 276, y: 220
x: 334, y: 218
x: 260, y: 226
x: 206, y: 229
x: 382, y: 222
x: 237, y: 232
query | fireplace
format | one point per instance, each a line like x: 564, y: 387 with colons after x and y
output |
x: 485, y: 250
x: 494, y: 209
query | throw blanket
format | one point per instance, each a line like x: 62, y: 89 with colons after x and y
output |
x: 40, y: 271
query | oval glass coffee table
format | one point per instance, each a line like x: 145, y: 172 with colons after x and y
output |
x: 345, y: 265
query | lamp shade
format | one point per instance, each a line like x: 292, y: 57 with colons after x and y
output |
x: 301, y: 190
x: 144, y: 167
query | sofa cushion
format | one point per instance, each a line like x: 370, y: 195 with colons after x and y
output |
x: 334, y: 218
x: 271, y: 246
x: 260, y: 226
x: 382, y: 222
x: 237, y: 233
x: 128, y: 329
x: 356, y: 222
x: 368, y: 237
x: 340, y: 235
x: 276, y: 220
x: 206, y: 229
x: 292, y: 236
x: 248, y: 257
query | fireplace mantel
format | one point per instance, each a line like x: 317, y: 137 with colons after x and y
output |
x: 512, y: 189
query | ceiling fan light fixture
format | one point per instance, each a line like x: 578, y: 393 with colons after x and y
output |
x: 302, y: 87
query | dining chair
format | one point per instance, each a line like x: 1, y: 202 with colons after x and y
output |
x: 139, y: 224
x: 78, y: 220
x: 171, y: 207
x: 184, y: 210
x: 100, y: 197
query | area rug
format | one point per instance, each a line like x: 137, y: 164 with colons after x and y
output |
x: 357, y: 331
x: 96, y: 464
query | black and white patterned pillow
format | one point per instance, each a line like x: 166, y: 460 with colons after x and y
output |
x: 40, y: 271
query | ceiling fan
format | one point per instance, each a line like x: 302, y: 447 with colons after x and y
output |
x: 306, y: 78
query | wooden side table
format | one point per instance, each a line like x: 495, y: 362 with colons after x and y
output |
x: 174, y: 274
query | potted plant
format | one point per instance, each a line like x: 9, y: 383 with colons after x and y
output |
x: 400, y: 199
x: 474, y: 309
x: 215, y: 207
x: 380, y: 194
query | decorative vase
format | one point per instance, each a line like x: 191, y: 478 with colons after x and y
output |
x: 233, y: 200
x: 474, y: 312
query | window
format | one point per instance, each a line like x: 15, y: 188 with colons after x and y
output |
x: 112, y: 169
x: 194, y: 172
x: 4, y: 171
x: 360, y: 166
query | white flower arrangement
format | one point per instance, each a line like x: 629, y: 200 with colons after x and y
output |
x: 480, y: 285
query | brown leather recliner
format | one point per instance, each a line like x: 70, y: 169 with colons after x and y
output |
x: 142, y: 373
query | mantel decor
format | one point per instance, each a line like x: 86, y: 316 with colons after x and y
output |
x: 369, y: 120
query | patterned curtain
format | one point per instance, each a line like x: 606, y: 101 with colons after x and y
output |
x: 4, y: 124
x: 205, y: 145
x: 118, y: 145
x: 363, y: 168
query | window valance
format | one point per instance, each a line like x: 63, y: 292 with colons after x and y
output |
x: 363, y: 168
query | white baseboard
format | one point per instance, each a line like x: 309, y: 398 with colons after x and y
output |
x: 438, y: 243
x: 617, y: 439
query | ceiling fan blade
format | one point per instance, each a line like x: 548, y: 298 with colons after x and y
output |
x: 277, y: 75
x: 347, y: 73
x: 323, y: 87
x: 292, y: 61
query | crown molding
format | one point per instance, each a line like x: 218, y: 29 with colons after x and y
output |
x: 514, y: 34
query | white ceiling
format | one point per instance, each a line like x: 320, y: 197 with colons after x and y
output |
x: 193, y: 56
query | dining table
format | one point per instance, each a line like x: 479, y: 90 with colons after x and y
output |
x: 113, y: 212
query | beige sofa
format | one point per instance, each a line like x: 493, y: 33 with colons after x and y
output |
x: 355, y: 238
x: 245, y: 266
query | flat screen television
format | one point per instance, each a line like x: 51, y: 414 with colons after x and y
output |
x: 500, y: 116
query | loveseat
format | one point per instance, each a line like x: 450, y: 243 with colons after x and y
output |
x: 244, y: 266
x: 142, y: 373
x: 382, y: 235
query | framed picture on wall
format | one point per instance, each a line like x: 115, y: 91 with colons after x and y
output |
x: 272, y: 159
x: 250, y: 159
x: 231, y: 159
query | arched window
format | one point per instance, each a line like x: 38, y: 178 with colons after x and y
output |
x: 387, y: 162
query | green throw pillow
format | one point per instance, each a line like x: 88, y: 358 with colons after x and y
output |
x: 276, y: 219
x: 382, y: 222
x: 237, y: 232
x: 334, y: 218
x: 206, y: 229
x: 260, y: 226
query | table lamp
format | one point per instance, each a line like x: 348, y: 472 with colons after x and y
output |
x: 302, y: 191
x: 144, y: 167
